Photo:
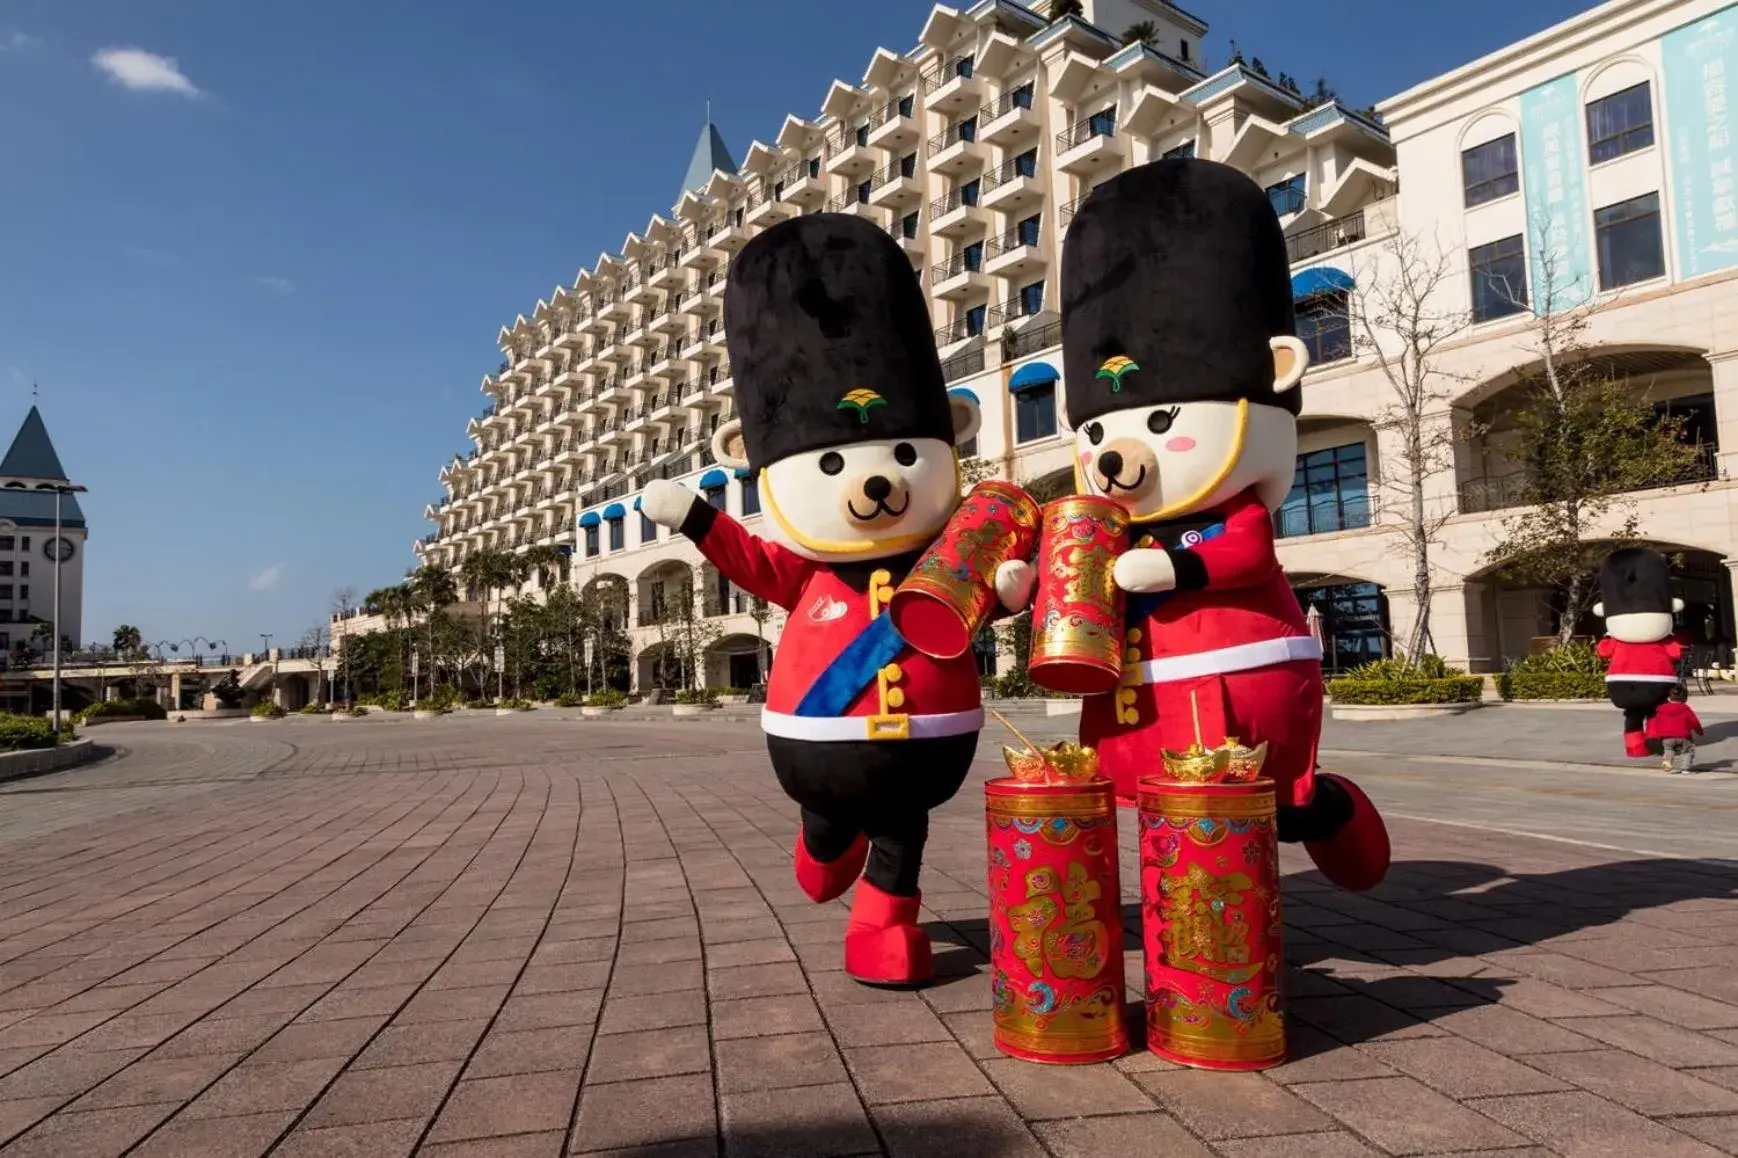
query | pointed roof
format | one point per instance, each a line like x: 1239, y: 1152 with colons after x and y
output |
x: 32, y: 456
x: 710, y: 154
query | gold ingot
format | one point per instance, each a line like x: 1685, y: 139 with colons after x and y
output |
x: 1196, y: 765
x: 1064, y: 763
x: 1243, y: 763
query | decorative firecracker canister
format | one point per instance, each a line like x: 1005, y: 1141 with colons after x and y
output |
x: 1077, y: 614
x: 949, y: 595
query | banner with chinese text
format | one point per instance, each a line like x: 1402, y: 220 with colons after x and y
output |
x: 1554, y: 173
x: 1700, y: 61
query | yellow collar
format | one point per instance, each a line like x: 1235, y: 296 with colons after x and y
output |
x: 1184, y: 506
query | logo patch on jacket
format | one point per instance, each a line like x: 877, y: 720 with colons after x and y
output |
x: 825, y: 609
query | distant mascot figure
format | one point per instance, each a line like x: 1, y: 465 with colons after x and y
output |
x: 1640, y: 648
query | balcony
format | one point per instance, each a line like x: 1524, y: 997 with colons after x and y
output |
x: 910, y: 240
x: 1089, y: 147
x: 892, y: 126
x: 769, y: 210
x: 1324, y: 514
x: 1320, y: 239
x: 960, y: 277
x: 950, y: 86
x: 1015, y: 252
x: 895, y: 187
x: 958, y: 213
x: 635, y: 291
x: 1505, y: 492
x: 1032, y: 339
x: 727, y: 232
x: 849, y: 154
x: 955, y: 150
x: 695, y: 253
x: 855, y: 202
x: 1011, y: 310
x: 666, y: 275
x: 611, y: 309
x: 963, y: 365
x: 1010, y: 119
x: 1013, y: 185
x: 801, y: 185
x: 668, y: 323
x: 969, y: 324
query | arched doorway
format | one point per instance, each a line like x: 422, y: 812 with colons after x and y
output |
x: 738, y: 661
x: 1348, y: 615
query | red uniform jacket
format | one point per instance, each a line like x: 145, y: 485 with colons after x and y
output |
x: 1674, y: 721
x: 913, y: 697
x: 1229, y: 643
x: 1651, y: 663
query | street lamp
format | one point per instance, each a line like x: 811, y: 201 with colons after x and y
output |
x: 59, y: 549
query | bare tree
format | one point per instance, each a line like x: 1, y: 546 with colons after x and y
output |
x: 1399, y: 320
x: 343, y: 604
x: 314, y: 643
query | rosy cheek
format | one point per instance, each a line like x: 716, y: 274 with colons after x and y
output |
x: 1085, y: 458
x: 1180, y: 444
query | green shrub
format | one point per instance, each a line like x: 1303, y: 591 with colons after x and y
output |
x: 149, y: 709
x: 569, y: 700
x: 608, y: 698
x: 1568, y: 671
x: 1016, y: 684
x: 442, y: 698
x: 697, y: 696
x: 267, y: 710
x: 314, y: 709
x: 356, y: 711
x: 1429, y: 680
x: 517, y: 705
x: 20, y: 733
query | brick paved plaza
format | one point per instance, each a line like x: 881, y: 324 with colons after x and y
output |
x: 537, y: 935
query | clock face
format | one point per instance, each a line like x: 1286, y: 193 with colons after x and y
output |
x: 58, y: 549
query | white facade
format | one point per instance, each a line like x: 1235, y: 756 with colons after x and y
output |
x: 973, y: 149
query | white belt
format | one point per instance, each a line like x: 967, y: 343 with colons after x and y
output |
x: 1244, y: 656
x: 870, y: 727
x: 1621, y: 678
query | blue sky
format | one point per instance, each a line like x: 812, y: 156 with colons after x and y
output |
x: 259, y: 286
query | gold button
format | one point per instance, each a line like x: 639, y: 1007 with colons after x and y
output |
x: 1133, y: 654
x: 1134, y: 635
x: 883, y: 594
x: 1126, y: 696
x: 893, y: 673
x: 895, y: 698
x: 1130, y: 718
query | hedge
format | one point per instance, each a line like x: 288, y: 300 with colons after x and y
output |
x: 1455, y: 689
x: 1551, y: 685
x: 149, y: 709
x: 19, y: 733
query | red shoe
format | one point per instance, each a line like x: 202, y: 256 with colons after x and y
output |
x: 1635, y: 744
x: 1356, y: 857
x: 828, y: 880
x: 883, y: 945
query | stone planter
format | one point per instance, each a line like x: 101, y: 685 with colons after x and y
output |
x: 33, y: 761
x: 427, y: 714
x: 263, y: 719
x: 1376, y: 712
x: 344, y: 717
x: 683, y: 710
x: 512, y: 712
x: 597, y: 713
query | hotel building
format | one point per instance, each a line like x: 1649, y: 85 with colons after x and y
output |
x: 973, y: 149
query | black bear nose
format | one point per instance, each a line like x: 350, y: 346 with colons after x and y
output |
x: 877, y: 488
x: 1110, y: 464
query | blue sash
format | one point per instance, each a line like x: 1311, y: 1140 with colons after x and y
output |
x: 853, y: 669
x: 1140, y: 607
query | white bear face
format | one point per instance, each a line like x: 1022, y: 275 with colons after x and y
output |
x: 1163, y: 462
x: 1639, y: 626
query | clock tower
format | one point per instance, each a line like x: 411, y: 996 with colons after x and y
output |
x: 29, y: 546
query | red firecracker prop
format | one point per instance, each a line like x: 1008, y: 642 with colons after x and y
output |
x: 1210, y: 910
x: 1055, y: 909
x: 1077, y: 615
x: 949, y: 595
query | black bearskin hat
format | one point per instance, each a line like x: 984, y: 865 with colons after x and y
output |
x: 1635, y: 579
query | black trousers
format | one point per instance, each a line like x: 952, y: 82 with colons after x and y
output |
x: 1638, y: 699
x: 883, y: 789
x: 1327, y: 812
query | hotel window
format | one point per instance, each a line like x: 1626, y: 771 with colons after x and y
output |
x: 906, y: 104
x: 974, y: 321
x: 1324, y: 323
x: 591, y: 541
x: 1026, y: 233
x: 862, y: 136
x: 715, y: 498
x: 1183, y: 46
x: 6, y: 568
x: 618, y: 535
x: 24, y: 592
x: 1021, y: 98
x: 1287, y: 196
x: 1354, y: 621
x: 1026, y: 164
x: 648, y: 529
x: 1183, y: 152
x: 5, y: 590
x: 908, y: 165
x: 969, y: 448
x: 1627, y: 236
x: 1620, y: 123
x: 969, y: 193
x: 862, y: 192
x: 962, y: 66
x: 1102, y: 123
x: 972, y: 257
x: 908, y: 226
x: 1499, y: 279
x: 1330, y: 491
x: 1035, y: 413
x: 750, y: 497
x: 966, y: 130
x: 1031, y: 299
x: 814, y: 166
x: 5, y: 542
x: 24, y: 544
x: 1490, y: 171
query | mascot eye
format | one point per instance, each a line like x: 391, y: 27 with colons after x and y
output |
x: 832, y: 462
x: 1094, y: 433
x: 905, y: 454
x: 1160, y: 421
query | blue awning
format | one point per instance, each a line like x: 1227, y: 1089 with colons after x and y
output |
x: 615, y: 511
x: 637, y: 499
x: 1032, y: 375
x: 962, y: 392
x: 713, y: 478
x: 744, y: 472
x: 1320, y: 280
x: 589, y: 519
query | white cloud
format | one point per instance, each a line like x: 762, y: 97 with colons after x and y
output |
x: 266, y: 579
x: 17, y: 42
x: 276, y: 285
x: 143, y: 71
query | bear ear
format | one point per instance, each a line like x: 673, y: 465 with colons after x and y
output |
x: 967, y: 416
x: 1599, y: 610
x: 1290, y: 359
x: 728, y: 447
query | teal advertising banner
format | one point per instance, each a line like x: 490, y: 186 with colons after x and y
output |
x: 1700, y: 60
x: 1554, y: 174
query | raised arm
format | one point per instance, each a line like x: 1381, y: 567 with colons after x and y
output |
x: 759, y: 567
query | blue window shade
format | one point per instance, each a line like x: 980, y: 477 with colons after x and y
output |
x: 1035, y: 413
x: 975, y: 321
x: 972, y: 257
x: 742, y: 472
x: 615, y: 511
x: 1026, y: 164
x: 962, y: 392
x: 1102, y: 123
x: 589, y: 519
x: 1287, y: 197
x: 713, y: 478
x: 969, y: 192
x: 1330, y: 491
x: 1183, y: 152
x: 1321, y: 280
x: 1031, y: 298
x: 1032, y: 375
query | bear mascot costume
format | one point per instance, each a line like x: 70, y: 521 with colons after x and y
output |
x: 1181, y: 368
x: 1640, y: 648
x: 847, y: 420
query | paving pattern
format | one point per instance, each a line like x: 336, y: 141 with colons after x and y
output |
x: 534, y: 936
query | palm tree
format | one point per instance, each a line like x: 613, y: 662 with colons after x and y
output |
x: 433, y: 590
x: 127, y: 640
x: 396, y: 604
x: 488, y: 572
x: 1061, y: 8
x: 1140, y: 32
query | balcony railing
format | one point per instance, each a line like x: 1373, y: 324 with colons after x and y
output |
x: 965, y: 195
x: 965, y: 130
x: 1082, y: 131
x: 1032, y: 339
x: 1020, y: 98
x: 1323, y: 515
x: 958, y: 330
x: 1010, y: 170
x: 892, y: 173
x: 1508, y: 491
x: 963, y: 365
x: 942, y: 73
x: 1011, y: 240
x: 969, y: 260
x: 892, y: 110
x: 852, y: 196
x: 1066, y: 213
x: 1010, y: 310
x: 1330, y: 235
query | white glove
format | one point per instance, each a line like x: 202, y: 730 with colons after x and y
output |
x: 667, y: 503
x: 1145, y: 570
x: 1014, y: 581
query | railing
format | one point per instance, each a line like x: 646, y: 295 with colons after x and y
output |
x: 969, y: 260
x: 1032, y: 339
x: 1025, y: 165
x: 1010, y: 310
x: 966, y: 195
x: 892, y: 173
x: 940, y: 74
x: 957, y: 330
x: 1082, y: 131
x: 963, y: 365
x: 1015, y: 238
x: 1323, y: 515
x: 962, y: 130
x: 898, y: 109
x: 852, y: 196
x: 1020, y: 98
x: 1330, y: 235
x: 1507, y: 491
